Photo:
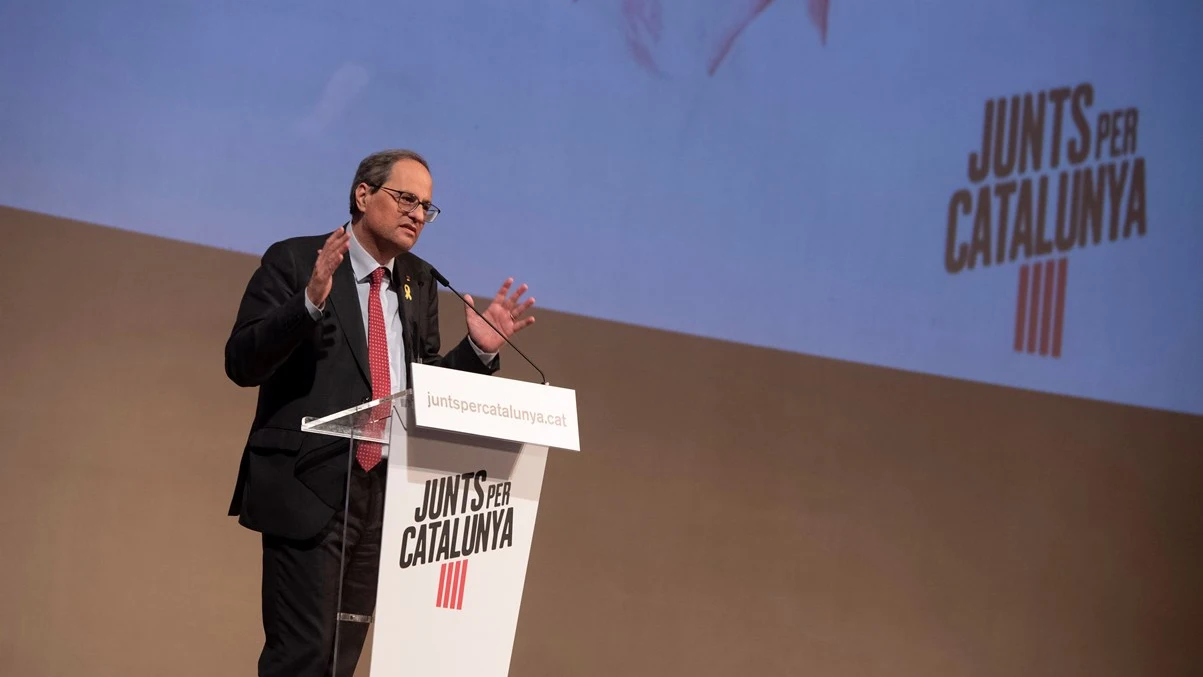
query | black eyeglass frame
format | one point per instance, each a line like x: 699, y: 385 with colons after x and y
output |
x: 407, y: 202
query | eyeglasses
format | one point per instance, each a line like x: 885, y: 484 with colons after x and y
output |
x: 407, y: 202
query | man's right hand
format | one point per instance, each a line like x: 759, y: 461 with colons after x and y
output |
x: 328, y: 259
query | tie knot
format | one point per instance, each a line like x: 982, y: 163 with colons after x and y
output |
x: 378, y: 275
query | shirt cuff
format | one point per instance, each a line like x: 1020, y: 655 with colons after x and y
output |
x: 487, y: 358
x: 314, y: 311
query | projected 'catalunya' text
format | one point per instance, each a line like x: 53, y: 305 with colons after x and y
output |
x: 459, y: 515
x: 1053, y: 172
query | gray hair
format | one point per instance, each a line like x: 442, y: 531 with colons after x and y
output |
x: 374, y: 170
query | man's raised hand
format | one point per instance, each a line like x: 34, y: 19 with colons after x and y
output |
x: 328, y: 259
x: 505, y: 312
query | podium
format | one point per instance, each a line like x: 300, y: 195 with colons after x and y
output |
x: 465, y: 455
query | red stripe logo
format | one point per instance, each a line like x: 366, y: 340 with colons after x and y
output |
x: 453, y: 576
x: 1040, y: 307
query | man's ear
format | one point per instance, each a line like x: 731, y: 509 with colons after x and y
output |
x: 362, y: 191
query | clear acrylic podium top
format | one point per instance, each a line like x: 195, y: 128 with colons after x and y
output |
x: 369, y: 421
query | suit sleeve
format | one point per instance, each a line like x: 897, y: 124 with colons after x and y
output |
x: 462, y: 356
x: 272, y: 319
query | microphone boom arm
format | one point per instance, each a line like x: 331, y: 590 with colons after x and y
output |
x: 443, y: 281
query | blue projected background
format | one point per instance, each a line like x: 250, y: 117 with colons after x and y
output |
x: 771, y: 173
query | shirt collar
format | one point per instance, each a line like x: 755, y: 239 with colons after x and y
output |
x: 362, y: 263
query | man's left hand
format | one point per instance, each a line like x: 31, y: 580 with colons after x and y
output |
x: 505, y: 312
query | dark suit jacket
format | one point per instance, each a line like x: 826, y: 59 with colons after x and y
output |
x: 290, y: 483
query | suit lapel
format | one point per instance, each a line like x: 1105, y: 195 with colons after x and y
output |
x: 403, y: 273
x: 344, y: 299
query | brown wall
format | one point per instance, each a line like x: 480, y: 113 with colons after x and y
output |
x: 735, y: 511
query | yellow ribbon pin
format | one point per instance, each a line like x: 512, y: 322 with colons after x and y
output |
x: 408, y: 297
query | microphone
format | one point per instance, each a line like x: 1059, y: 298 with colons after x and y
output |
x: 443, y: 281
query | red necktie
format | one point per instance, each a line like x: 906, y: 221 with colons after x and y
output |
x: 368, y: 453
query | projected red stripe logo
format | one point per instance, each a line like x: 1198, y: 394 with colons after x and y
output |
x: 1040, y: 307
x: 452, y: 577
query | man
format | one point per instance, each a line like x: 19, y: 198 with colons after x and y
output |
x: 326, y: 323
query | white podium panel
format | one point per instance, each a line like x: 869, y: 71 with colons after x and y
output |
x: 493, y: 407
x: 459, y: 518
x: 465, y: 470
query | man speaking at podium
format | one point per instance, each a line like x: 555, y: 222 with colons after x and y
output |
x: 326, y: 323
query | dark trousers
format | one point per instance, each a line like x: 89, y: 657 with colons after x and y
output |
x: 300, y: 588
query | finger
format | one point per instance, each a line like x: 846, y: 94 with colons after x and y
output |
x: 523, y: 324
x: 518, y: 293
x: 517, y: 312
x: 321, y: 258
x: 505, y: 289
x: 334, y: 244
x: 468, y: 298
x: 331, y: 255
x: 336, y: 238
x: 342, y: 243
x: 328, y: 264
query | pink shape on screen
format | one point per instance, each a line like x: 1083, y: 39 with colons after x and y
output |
x: 643, y: 23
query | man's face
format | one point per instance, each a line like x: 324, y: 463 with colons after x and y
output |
x: 384, y: 218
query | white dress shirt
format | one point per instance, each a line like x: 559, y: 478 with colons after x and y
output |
x: 362, y: 265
